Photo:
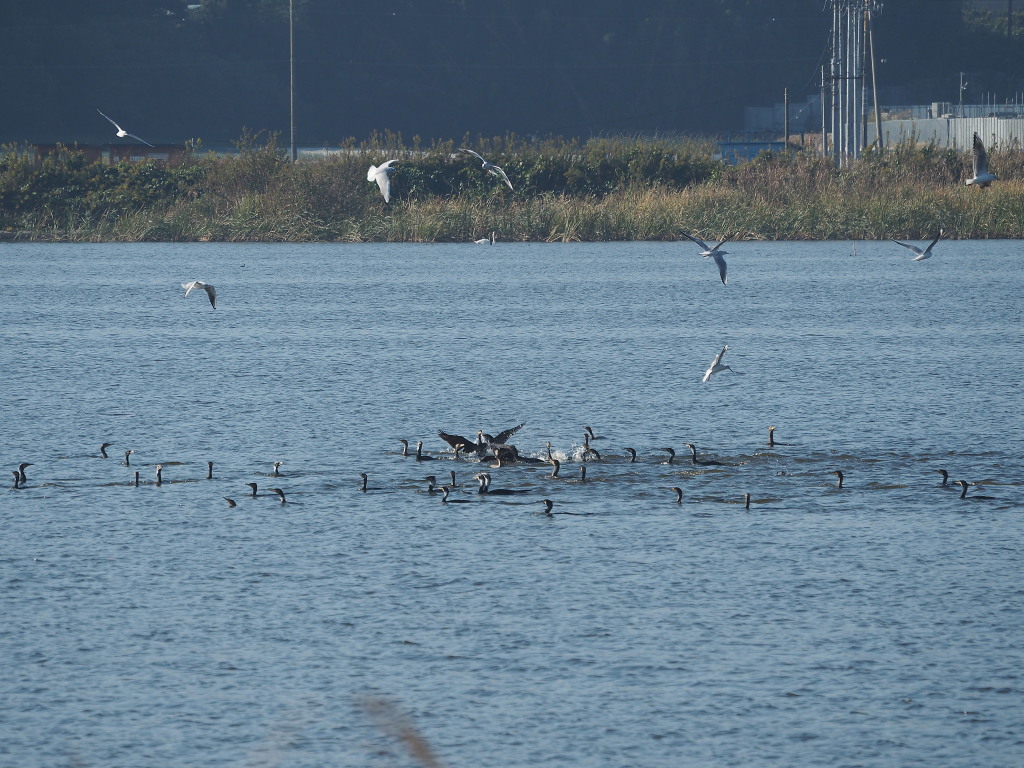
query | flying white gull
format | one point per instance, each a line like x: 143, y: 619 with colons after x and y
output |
x: 921, y: 254
x: 121, y: 132
x: 716, y: 365
x: 382, y: 175
x: 210, y: 290
x: 713, y: 252
x: 982, y: 178
x: 489, y: 167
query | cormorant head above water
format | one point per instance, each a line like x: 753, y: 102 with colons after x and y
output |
x: 446, y: 489
x: 695, y: 460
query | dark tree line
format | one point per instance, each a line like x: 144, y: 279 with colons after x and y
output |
x: 445, y: 68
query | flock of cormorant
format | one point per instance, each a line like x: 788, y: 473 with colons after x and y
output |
x: 497, y: 448
x: 490, y: 452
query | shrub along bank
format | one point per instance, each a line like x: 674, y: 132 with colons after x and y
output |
x: 601, y: 189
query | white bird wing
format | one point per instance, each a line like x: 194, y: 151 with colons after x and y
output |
x: 119, y: 128
x: 715, y: 363
x: 724, y: 241
x: 699, y: 242
x: 500, y: 174
x: 928, y: 251
x: 210, y: 290
x: 720, y: 261
x: 382, y: 175
x: 139, y: 138
x: 913, y: 248
x: 474, y: 154
x: 384, y: 182
x: 980, y: 157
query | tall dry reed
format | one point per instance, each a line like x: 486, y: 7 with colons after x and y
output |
x: 603, y: 189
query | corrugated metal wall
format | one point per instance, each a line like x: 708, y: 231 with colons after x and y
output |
x: 957, y: 133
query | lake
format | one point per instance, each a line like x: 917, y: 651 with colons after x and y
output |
x: 877, y: 624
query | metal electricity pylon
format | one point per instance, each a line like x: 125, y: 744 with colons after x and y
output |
x: 851, y: 37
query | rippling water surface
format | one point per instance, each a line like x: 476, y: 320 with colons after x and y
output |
x: 876, y: 625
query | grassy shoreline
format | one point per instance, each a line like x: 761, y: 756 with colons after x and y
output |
x: 601, y: 190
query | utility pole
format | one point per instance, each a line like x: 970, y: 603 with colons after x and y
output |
x: 785, y: 119
x: 821, y: 98
x: 291, y: 73
x: 874, y: 72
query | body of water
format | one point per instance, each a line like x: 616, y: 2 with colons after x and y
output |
x: 880, y: 624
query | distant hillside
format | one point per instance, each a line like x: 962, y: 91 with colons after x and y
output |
x: 445, y: 68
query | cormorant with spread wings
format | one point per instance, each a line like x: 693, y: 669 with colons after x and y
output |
x: 484, y: 443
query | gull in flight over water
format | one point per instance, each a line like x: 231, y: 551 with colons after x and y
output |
x: 121, y: 132
x: 382, y: 175
x: 489, y: 167
x: 210, y: 290
x: 713, y: 252
x: 922, y: 254
x: 716, y: 365
x: 982, y: 178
